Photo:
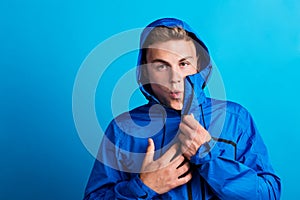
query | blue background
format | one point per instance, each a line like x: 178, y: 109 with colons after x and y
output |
x: 255, y: 44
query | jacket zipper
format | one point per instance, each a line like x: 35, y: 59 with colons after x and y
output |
x: 189, y: 188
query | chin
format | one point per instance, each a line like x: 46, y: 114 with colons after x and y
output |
x: 176, y: 106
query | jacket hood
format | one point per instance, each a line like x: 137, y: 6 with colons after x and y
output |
x: 193, y: 83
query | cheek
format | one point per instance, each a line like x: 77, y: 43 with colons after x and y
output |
x: 191, y: 72
x: 158, y: 78
x: 156, y: 88
x: 159, y: 91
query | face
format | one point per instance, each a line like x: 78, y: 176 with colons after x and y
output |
x: 168, y: 63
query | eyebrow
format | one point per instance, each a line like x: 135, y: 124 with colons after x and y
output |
x: 159, y: 60
x: 163, y: 61
x: 186, y: 58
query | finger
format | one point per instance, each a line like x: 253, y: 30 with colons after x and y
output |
x: 185, y: 143
x: 186, y: 151
x: 190, y: 121
x: 183, y: 170
x: 169, y: 154
x: 150, y: 152
x: 178, y: 161
x: 182, y: 138
x: 184, y: 179
x: 187, y: 131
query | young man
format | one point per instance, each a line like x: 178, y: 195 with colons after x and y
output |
x: 181, y: 145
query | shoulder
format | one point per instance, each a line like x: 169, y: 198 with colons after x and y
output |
x: 129, y: 128
x: 129, y: 120
x: 236, y: 122
x: 234, y: 114
x: 137, y: 114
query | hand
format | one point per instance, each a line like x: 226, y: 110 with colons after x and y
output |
x: 165, y: 173
x: 192, y: 136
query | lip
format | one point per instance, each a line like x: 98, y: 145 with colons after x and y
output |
x: 175, y: 94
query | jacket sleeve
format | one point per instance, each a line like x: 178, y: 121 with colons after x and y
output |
x: 108, y: 180
x: 247, y: 176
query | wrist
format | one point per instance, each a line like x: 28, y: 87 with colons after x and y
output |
x: 205, y: 153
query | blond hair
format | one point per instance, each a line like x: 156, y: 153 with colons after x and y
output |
x: 164, y: 34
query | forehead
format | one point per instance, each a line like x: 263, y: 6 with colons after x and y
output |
x: 171, y: 49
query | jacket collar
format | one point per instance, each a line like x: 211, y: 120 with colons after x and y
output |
x: 193, y: 93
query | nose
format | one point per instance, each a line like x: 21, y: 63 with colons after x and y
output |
x: 175, y: 76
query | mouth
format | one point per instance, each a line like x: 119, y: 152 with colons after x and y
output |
x: 175, y: 94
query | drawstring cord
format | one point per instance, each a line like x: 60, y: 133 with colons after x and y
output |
x: 164, y: 132
x: 201, y: 178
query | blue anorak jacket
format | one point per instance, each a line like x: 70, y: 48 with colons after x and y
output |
x: 234, y: 164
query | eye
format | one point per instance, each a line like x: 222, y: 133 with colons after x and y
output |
x: 161, y: 67
x: 184, y: 64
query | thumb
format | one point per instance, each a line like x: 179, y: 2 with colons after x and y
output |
x: 150, y: 151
